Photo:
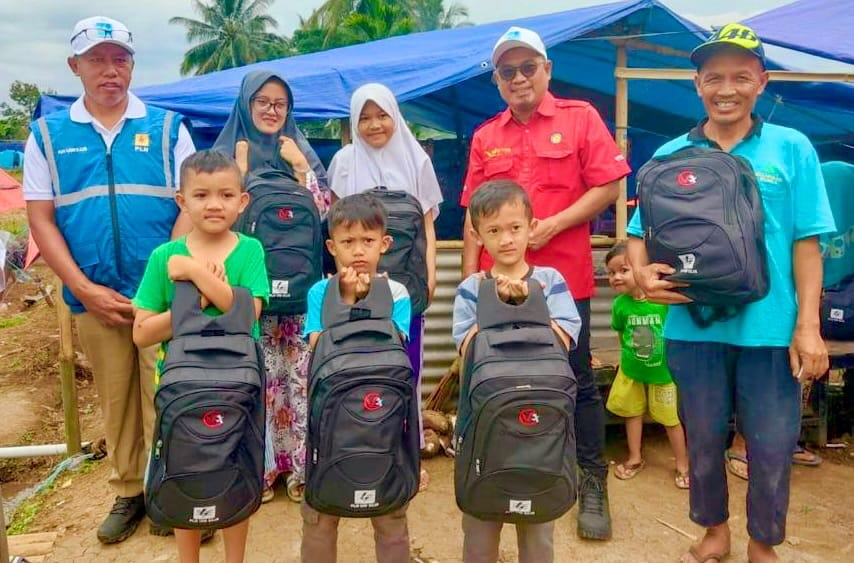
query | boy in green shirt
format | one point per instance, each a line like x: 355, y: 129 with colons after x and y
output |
x: 643, y: 381
x: 213, y: 258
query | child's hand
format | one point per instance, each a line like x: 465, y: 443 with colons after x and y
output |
x: 518, y: 290
x: 182, y: 268
x: 502, y: 287
x: 348, y: 279
x: 363, y: 285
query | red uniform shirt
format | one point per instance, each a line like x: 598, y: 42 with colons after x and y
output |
x: 564, y: 150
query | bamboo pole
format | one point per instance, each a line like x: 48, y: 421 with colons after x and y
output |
x: 621, y: 124
x: 345, y: 131
x: 66, y: 377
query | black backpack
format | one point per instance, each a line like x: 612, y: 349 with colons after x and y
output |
x: 206, y: 469
x: 406, y: 260
x: 282, y: 215
x: 702, y: 214
x: 515, y: 432
x: 837, y: 311
x: 363, y: 441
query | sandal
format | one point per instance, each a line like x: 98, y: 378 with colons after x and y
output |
x: 267, y: 495
x: 736, y: 464
x: 682, y: 480
x: 802, y: 456
x: 295, y: 488
x: 625, y: 471
x: 423, y: 480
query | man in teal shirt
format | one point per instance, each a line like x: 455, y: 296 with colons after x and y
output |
x: 752, y: 364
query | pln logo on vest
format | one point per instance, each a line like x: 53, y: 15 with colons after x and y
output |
x: 529, y: 417
x: 372, y: 401
x: 141, y: 142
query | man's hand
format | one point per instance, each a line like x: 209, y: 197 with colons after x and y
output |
x: 656, y: 289
x: 808, y: 354
x: 542, y: 233
x: 110, y: 307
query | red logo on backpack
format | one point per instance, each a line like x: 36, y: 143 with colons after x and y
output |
x: 529, y: 417
x: 372, y: 401
x: 286, y: 213
x: 686, y: 178
x: 213, y: 419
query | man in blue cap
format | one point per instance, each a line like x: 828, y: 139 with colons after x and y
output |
x: 752, y: 364
x: 100, y: 181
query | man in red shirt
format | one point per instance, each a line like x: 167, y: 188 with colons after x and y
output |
x: 562, y: 154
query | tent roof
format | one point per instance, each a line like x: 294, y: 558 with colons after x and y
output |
x: 7, y: 181
x: 818, y: 27
x: 442, y: 78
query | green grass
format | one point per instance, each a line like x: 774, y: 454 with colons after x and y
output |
x: 15, y: 320
x: 27, y: 512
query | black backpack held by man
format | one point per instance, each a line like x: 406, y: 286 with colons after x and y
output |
x: 515, y: 432
x: 363, y: 438
x: 282, y: 215
x: 837, y: 311
x: 702, y: 214
x: 406, y: 260
x: 207, y: 466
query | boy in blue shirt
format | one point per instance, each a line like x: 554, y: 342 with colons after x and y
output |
x: 752, y: 364
x: 357, y: 240
x: 502, y: 220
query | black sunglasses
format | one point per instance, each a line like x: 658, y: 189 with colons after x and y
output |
x: 528, y: 69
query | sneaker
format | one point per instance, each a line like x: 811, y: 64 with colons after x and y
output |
x: 163, y: 531
x: 122, y: 520
x: 594, y: 515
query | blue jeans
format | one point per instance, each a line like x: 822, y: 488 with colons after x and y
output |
x: 713, y: 380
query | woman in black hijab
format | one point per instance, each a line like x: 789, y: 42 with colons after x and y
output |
x: 261, y: 133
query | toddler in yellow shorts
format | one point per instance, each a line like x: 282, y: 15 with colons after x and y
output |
x: 643, y: 382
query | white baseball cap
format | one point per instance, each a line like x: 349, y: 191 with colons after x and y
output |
x: 98, y: 29
x: 517, y: 37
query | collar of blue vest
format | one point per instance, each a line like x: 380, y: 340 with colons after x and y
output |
x: 698, y: 134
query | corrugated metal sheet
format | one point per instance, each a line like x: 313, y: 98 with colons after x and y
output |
x: 439, y: 351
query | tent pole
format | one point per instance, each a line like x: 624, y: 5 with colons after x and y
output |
x: 345, y: 131
x: 621, y: 123
x: 66, y: 377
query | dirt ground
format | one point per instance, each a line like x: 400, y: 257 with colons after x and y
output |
x: 820, y: 516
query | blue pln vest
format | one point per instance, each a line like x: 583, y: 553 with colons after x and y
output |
x: 114, y: 205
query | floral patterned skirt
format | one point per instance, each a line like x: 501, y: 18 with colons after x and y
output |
x: 286, y: 357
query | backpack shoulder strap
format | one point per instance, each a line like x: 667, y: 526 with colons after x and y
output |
x: 493, y: 312
x: 188, y: 318
x: 377, y: 304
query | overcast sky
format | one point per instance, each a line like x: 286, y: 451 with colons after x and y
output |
x: 34, y: 34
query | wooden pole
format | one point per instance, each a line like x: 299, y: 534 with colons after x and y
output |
x: 345, y: 131
x: 4, y: 545
x: 66, y: 377
x: 621, y: 124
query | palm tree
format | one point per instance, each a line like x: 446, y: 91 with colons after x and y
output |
x: 431, y: 14
x: 376, y: 19
x: 230, y: 33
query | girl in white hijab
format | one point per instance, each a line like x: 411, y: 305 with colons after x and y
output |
x: 384, y: 152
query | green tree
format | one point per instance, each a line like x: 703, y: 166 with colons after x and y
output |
x: 229, y: 33
x: 376, y: 19
x: 15, y: 119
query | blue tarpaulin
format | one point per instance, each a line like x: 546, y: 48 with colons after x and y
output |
x: 819, y: 27
x: 443, y: 77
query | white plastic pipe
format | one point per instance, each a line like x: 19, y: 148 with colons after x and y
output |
x: 35, y: 451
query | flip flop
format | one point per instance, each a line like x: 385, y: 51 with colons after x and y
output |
x: 799, y: 451
x: 692, y: 551
x: 681, y: 480
x: 294, y: 488
x: 625, y: 472
x: 735, y: 468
